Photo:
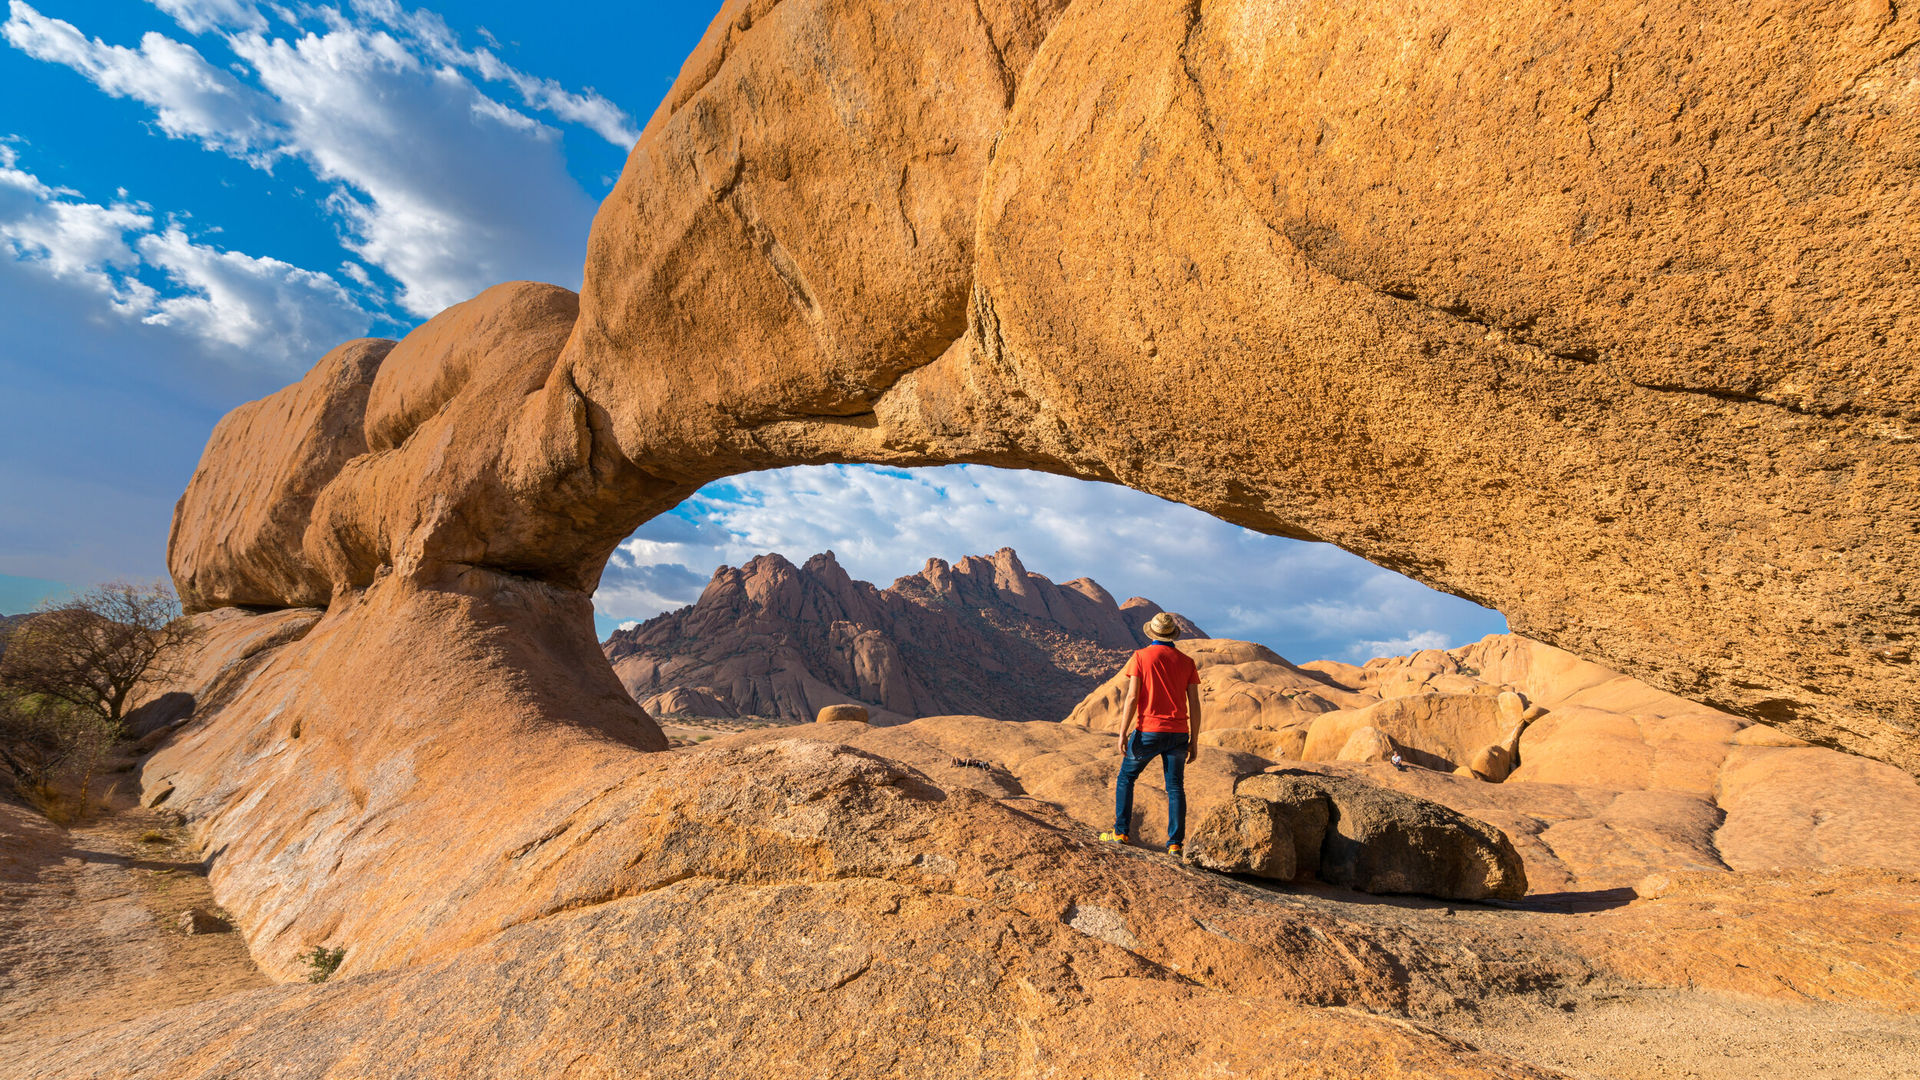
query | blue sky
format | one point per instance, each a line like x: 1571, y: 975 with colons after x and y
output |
x: 199, y: 197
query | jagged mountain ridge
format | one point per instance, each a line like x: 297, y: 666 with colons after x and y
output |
x: 982, y: 636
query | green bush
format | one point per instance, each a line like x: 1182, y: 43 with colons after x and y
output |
x: 323, y: 962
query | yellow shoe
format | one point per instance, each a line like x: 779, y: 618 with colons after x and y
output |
x: 1113, y: 837
x: 1173, y: 850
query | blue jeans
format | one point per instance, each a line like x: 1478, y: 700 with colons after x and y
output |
x: 1142, y: 747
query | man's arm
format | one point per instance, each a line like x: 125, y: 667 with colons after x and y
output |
x: 1193, y: 721
x: 1129, y: 704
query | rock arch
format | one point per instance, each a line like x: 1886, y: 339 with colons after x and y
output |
x: 1566, y: 309
x: 1591, y: 322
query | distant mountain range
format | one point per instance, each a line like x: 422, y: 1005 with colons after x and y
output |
x: 982, y: 636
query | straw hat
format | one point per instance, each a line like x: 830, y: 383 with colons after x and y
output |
x: 1162, y: 627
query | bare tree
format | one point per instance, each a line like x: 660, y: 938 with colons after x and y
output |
x: 94, y: 650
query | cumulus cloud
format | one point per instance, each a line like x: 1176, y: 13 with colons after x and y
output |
x: 1305, y: 600
x: 445, y: 188
x: 631, y: 587
x: 190, y: 97
x: 249, y: 302
x: 69, y: 239
x: 242, y: 306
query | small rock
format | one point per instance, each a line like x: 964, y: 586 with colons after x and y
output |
x: 1513, y: 708
x: 202, y: 921
x: 842, y: 714
x: 1103, y: 924
x: 1382, y: 841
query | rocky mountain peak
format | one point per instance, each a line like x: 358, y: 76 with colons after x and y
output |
x: 982, y: 635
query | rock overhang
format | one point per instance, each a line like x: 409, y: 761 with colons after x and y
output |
x: 1112, y: 277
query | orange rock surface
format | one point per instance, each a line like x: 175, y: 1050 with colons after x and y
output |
x: 1595, y: 313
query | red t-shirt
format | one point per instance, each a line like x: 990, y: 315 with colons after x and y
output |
x: 1164, y: 673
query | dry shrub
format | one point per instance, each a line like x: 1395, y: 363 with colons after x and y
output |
x: 67, y: 676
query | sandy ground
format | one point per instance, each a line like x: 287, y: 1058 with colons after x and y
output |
x: 1662, y: 1034
x: 88, y: 923
x: 685, y: 732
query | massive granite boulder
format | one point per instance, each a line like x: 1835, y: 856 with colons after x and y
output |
x: 1693, y: 483
x: 238, y: 530
x: 982, y: 636
x: 1594, y: 313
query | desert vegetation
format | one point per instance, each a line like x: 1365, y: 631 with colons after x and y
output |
x: 69, y: 674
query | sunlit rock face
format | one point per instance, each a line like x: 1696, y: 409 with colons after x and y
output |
x: 1594, y: 314
x: 1560, y: 353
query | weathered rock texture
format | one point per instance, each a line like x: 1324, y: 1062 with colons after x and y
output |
x: 237, y: 532
x: 841, y: 908
x: 1706, y: 485
x: 1606, y: 778
x: 983, y: 636
x: 1295, y: 825
x: 1594, y: 313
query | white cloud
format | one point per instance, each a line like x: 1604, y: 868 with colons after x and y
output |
x: 1305, y: 600
x: 630, y: 586
x: 1362, y: 651
x: 190, y: 97
x: 65, y: 238
x: 247, y: 302
x: 443, y: 187
x: 438, y: 41
x: 241, y: 306
x: 201, y: 16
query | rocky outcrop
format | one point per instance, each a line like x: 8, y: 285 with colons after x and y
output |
x: 747, y: 849
x: 746, y: 305
x: 1606, y: 779
x: 1593, y: 313
x: 982, y: 636
x: 1793, y: 922
x: 1292, y: 825
x: 238, y: 532
x: 1440, y: 731
x: 1244, y: 688
x: 799, y: 902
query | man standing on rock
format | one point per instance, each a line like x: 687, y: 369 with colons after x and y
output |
x: 1163, y: 691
